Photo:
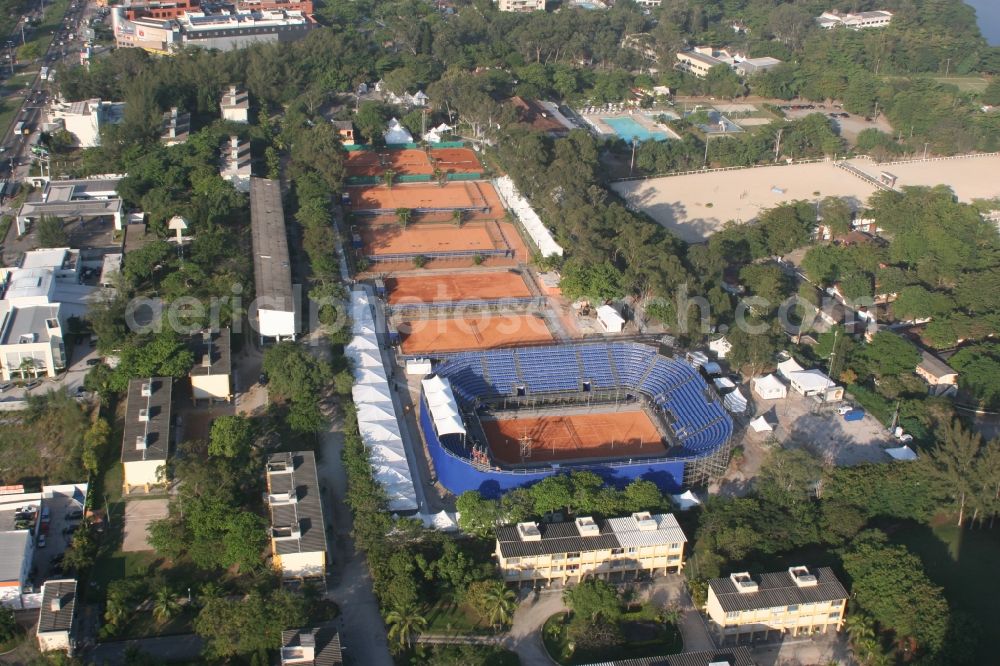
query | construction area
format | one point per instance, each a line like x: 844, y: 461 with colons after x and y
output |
x: 573, y: 437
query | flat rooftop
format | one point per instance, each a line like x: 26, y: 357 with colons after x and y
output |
x: 30, y: 324
x: 12, y: 545
x: 58, y: 604
x: 294, y: 502
x: 271, y: 268
x: 211, y: 351
x: 147, y: 416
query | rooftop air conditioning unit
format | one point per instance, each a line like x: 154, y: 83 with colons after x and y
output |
x: 206, y: 361
x: 147, y: 389
x: 529, y: 531
x: 56, y: 604
x: 144, y: 415
x: 743, y: 582
x: 586, y: 526
x: 644, y: 520
x: 140, y: 442
x: 802, y: 577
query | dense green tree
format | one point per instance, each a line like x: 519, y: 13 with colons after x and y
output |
x: 162, y: 354
x: 477, y: 515
x: 888, y: 354
x: 51, y: 232
x: 231, y: 437
x: 405, y: 623
x: 594, y: 599
x: 232, y: 627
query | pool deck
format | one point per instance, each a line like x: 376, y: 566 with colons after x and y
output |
x: 596, y: 121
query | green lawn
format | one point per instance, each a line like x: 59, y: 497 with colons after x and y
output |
x: 976, y: 84
x: 449, y: 617
x: 964, y: 562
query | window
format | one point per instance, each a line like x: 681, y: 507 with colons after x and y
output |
x: 572, y: 556
x: 617, y: 551
x: 674, y: 546
x: 513, y: 560
x: 732, y: 615
x: 793, y: 608
x: 632, y: 549
x: 834, y: 616
x: 673, y: 558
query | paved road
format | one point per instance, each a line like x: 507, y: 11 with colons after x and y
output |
x: 167, y: 648
x: 350, y: 584
x: 525, y: 635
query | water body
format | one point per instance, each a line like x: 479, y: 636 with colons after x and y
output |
x: 988, y: 15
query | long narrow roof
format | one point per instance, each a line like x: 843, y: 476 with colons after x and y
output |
x: 271, y: 267
x: 294, y: 474
x: 624, y: 532
x: 734, y: 656
x: 147, y: 416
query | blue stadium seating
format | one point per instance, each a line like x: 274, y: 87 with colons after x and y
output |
x: 699, y: 422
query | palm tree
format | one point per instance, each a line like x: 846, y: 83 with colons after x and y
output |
x: 165, y: 604
x: 404, y: 215
x: 116, y: 610
x: 456, y: 216
x: 403, y: 623
x: 500, y: 604
x: 387, y: 176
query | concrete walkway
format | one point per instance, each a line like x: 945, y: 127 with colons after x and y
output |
x: 349, y: 584
x: 694, y: 631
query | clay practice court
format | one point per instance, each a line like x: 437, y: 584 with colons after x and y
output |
x: 574, y: 437
x: 465, y: 195
x: 411, y: 162
x: 463, y: 333
x: 456, y: 287
x: 430, y: 238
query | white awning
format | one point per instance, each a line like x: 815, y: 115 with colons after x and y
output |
x: 363, y: 393
x: 379, y: 431
x: 760, y: 424
x: 364, y: 359
x: 810, y: 381
x: 362, y: 342
x: 370, y: 376
x: 902, y: 453
x: 443, y: 406
x: 375, y: 412
x: 723, y: 383
x: 539, y: 233
x: 449, y: 425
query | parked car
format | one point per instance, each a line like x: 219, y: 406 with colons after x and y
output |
x: 74, y: 514
x: 5, y: 386
x: 41, y: 541
x: 32, y: 384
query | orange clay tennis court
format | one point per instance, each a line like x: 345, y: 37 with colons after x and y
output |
x: 428, y: 239
x: 456, y: 287
x: 465, y: 195
x: 411, y: 162
x: 575, y: 436
x: 461, y: 333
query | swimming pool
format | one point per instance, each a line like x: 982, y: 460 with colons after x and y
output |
x: 628, y: 129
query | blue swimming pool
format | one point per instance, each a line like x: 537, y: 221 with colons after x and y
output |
x: 629, y: 129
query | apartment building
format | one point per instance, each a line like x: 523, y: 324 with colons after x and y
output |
x: 521, y: 5
x: 859, y: 21
x: 176, y: 127
x: 146, y: 442
x: 55, y: 617
x: 612, y: 549
x: 211, y: 375
x: 796, y: 602
x: 236, y: 165
x: 235, y: 105
x: 298, y: 536
x: 84, y: 119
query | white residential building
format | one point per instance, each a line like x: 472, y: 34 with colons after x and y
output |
x: 235, y: 105
x: 85, y: 119
x: 859, y: 21
x: 522, y: 6
x: 236, y: 166
x: 298, y: 530
x: 55, y: 618
x: 82, y: 198
x: 146, y: 442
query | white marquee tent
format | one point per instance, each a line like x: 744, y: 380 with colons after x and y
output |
x: 686, y: 500
x: 769, y: 387
x: 760, y: 424
x: 902, y: 453
x: 735, y: 402
x: 786, y: 368
x: 363, y: 393
x: 610, y: 319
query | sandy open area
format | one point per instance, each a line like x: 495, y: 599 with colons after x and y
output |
x: 681, y: 203
x: 974, y: 177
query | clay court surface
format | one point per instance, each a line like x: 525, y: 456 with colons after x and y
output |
x: 456, y: 287
x: 571, y: 437
x: 428, y: 238
x: 470, y: 194
x: 694, y: 206
x: 462, y: 333
x: 412, y: 162
x: 139, y: 513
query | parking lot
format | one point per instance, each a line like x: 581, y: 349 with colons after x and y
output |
x: 849, y: 125
x: 64, y: 515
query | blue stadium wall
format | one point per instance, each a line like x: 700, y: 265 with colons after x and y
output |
x: 458, y: 474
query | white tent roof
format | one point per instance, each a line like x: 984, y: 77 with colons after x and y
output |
x: 364, y: 359
x: 785, y: 368
x: 363, y: 342
x: 723, y: 383
x: 760, y: 424
x: 735, y: 402
x: 902, y: 453
x: 721, y: 347
x: 686, y: 500
x: 697, y: 359
x: 363, y: 393
x: 811, y: 380
x: 372, y: 412
x: 712, y: 368
x: 444, y: 521
x: 769, y: 385
x: 385, y: 454
x: 533, y: 224
x: 379, y: 431
x: 443, y: 406
x: 397, y: 133
x: 370, y: 376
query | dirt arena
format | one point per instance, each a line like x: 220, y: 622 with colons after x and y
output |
x: 456, y: 287
x: 573, y: 437
x: 430, y: 238
x: 464, y: 333
x: 694, y: 206
x: 411, y: 162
